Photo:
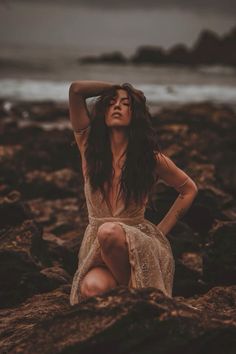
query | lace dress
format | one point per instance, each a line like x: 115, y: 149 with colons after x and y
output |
x: 150, y: 254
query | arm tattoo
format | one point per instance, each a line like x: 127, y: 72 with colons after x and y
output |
x: 180, y: 213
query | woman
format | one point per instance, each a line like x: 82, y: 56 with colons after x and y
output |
x: 121, y: 162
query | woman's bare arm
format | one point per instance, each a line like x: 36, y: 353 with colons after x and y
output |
x: 187, y: 188
x: 78, y: 92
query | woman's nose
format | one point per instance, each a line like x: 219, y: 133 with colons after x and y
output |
x: 117, y: 104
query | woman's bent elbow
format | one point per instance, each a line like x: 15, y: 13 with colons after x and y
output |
x: 195, y: 189
x: 74, y: 87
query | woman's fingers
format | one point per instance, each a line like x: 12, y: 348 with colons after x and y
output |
x: 139, y: 93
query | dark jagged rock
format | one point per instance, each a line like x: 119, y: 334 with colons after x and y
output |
x: 60, y: 254
x: 17, y: 107
x: 58, y: 184
x: 148, y: 54
x: 209, y: 49
x: 178, y: 54
x: 24, y: 254
x: 12, y: 210
x: 121, y: 321
x: 108, y: 58
x: 18, y: 323
x: 188, y: 281
x: 184, y: 239
x: 229, y: 47
x: 39, y: 111
x: 219, y: 259
x: 63, y: 220
x: 21, y: 253
x: 59, y: 275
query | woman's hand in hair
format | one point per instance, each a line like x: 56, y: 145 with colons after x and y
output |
x: 139, y: 93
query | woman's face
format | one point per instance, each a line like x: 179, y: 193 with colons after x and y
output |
x: 119, y: 110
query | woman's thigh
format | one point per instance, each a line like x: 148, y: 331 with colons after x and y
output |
x: 97, y: 280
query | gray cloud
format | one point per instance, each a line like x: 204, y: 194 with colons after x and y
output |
x: 209, y: 6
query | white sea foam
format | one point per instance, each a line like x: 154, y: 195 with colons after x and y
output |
x: 37, y: 90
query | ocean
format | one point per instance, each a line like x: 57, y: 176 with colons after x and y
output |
x: 38, y: 79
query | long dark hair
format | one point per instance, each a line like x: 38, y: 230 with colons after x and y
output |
x: 139, y: 172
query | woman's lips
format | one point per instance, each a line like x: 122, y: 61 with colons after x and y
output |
x: 118, y: 114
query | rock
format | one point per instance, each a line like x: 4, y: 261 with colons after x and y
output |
x: 212, y: 49
x: 22, y: 255
x: 59, y: 275
x: 148, y: 54
x: 39, y: 111
x: 108, y: 58
x: 219, y: 261
x: 21, y: 278
x: 29, y: 266
x: 63, y: 220
x: 12, y: 211
x: 218, y: 302
x: 37, y: 149
x: 18, y: 323
x: 209, y: 49
x: 226, y: 170
x: 60, y: 254
x: 8, y: 152
x: 57, y: 184
x: 208, y: 205
x: 178, y: 54
x: 229, y: 47
x: 184, y: 239
x: 188, y: 281
x: 46, y: 323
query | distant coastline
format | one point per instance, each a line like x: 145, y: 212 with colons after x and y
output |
x: 209, y: 49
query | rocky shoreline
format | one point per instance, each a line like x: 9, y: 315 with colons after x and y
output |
x: 208, y: 49
x: 43, y: 216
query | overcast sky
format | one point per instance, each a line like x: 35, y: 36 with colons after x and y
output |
x: 94, y: 27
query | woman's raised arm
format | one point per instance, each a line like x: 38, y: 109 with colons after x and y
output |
x: 78, y: 92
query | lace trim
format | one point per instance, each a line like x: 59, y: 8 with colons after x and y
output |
x: 160, y: 232
x: 150, y: 255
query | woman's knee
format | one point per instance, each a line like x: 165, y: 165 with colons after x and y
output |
x: 97, y: 281
x: 110, y: 234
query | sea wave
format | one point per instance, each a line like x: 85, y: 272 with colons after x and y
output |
x: 38, y: 90
x: 216, y: 70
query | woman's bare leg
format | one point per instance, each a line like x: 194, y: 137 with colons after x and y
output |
x: 114, y: 251
x: 98, y: 280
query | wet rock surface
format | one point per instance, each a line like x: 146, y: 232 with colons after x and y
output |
x: 43, y: 216
x: 121, y: 321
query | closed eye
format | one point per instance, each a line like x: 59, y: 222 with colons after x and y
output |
x: 112, y: 102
